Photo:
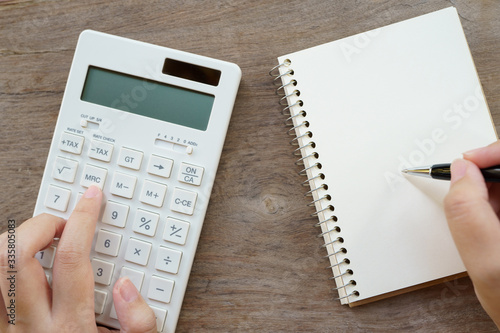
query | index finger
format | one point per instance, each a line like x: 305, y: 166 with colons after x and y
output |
x: 72, y: 277
x: 486, y: 156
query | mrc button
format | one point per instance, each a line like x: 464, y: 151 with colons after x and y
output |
x: 191, y: 174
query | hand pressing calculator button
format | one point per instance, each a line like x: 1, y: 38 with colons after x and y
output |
x: 147, y: 125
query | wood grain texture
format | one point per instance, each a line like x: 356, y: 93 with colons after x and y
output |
x: 258, y: 266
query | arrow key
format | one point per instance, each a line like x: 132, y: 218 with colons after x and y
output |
x: 160, y: 166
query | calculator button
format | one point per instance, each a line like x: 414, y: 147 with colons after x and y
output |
x: 64, y: 170
x: 160, y: 166
x: 57, y: 198
x: 138, y: 251
x: 123, y: 185
x: 103, y: 271
x: 115, y: 214
x: 46, y: 257
x: 130, y: 158
x: 153, y: 193
x: 168, y: 260
x: 176, y: 231
x: 71, y: 143
x: 93, y: 175
x: 135, y: 276
x: 183, y: 201
x: 108, y: 242
x: 112, y: 313
x: 100, y: 150
x: 160, y: 289
x: 99, y: 300
x: 191, y: 174
x: 145, y: 222
x: 161, y: 315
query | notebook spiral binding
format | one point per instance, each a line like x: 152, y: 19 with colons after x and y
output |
x: 331, y: 230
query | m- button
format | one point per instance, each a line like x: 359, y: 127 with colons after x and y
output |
x: 130, y: 158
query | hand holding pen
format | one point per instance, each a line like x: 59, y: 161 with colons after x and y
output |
x: 472, y: 210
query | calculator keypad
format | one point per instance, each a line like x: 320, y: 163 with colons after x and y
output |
x: 136, y: 202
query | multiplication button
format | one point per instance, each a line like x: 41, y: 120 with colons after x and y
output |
x: 71, y: 143
x: 138, y: 251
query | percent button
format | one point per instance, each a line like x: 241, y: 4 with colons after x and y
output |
x: 145, y: 222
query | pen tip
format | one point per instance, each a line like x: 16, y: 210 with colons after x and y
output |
x: 404, y: 171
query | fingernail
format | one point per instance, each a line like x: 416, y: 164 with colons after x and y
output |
x: 458, y: 170
x: 91, y: 192
x: 472, y: 152
x: 128, y: 291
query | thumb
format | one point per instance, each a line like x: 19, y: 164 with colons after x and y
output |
x: 133, y: 313
x: 471, y: 219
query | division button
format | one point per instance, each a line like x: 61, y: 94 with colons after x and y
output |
x: 168, y: 260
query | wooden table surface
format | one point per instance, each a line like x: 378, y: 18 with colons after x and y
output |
x: 259, y: 265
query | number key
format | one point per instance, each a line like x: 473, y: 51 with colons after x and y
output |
x: 115, y: 214
x: 103, y: 271
x: 108, y: 242
x: 57, y: 198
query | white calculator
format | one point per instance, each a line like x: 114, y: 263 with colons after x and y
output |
x: 147, y: 125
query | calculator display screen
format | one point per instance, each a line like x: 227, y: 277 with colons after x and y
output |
x: 148, y: 98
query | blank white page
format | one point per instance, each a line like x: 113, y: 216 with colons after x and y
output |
x: 403, y: 95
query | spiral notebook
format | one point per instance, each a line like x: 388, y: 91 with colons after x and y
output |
x: 365, y: 107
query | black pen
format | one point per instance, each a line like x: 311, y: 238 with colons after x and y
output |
x: 442, y: 171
